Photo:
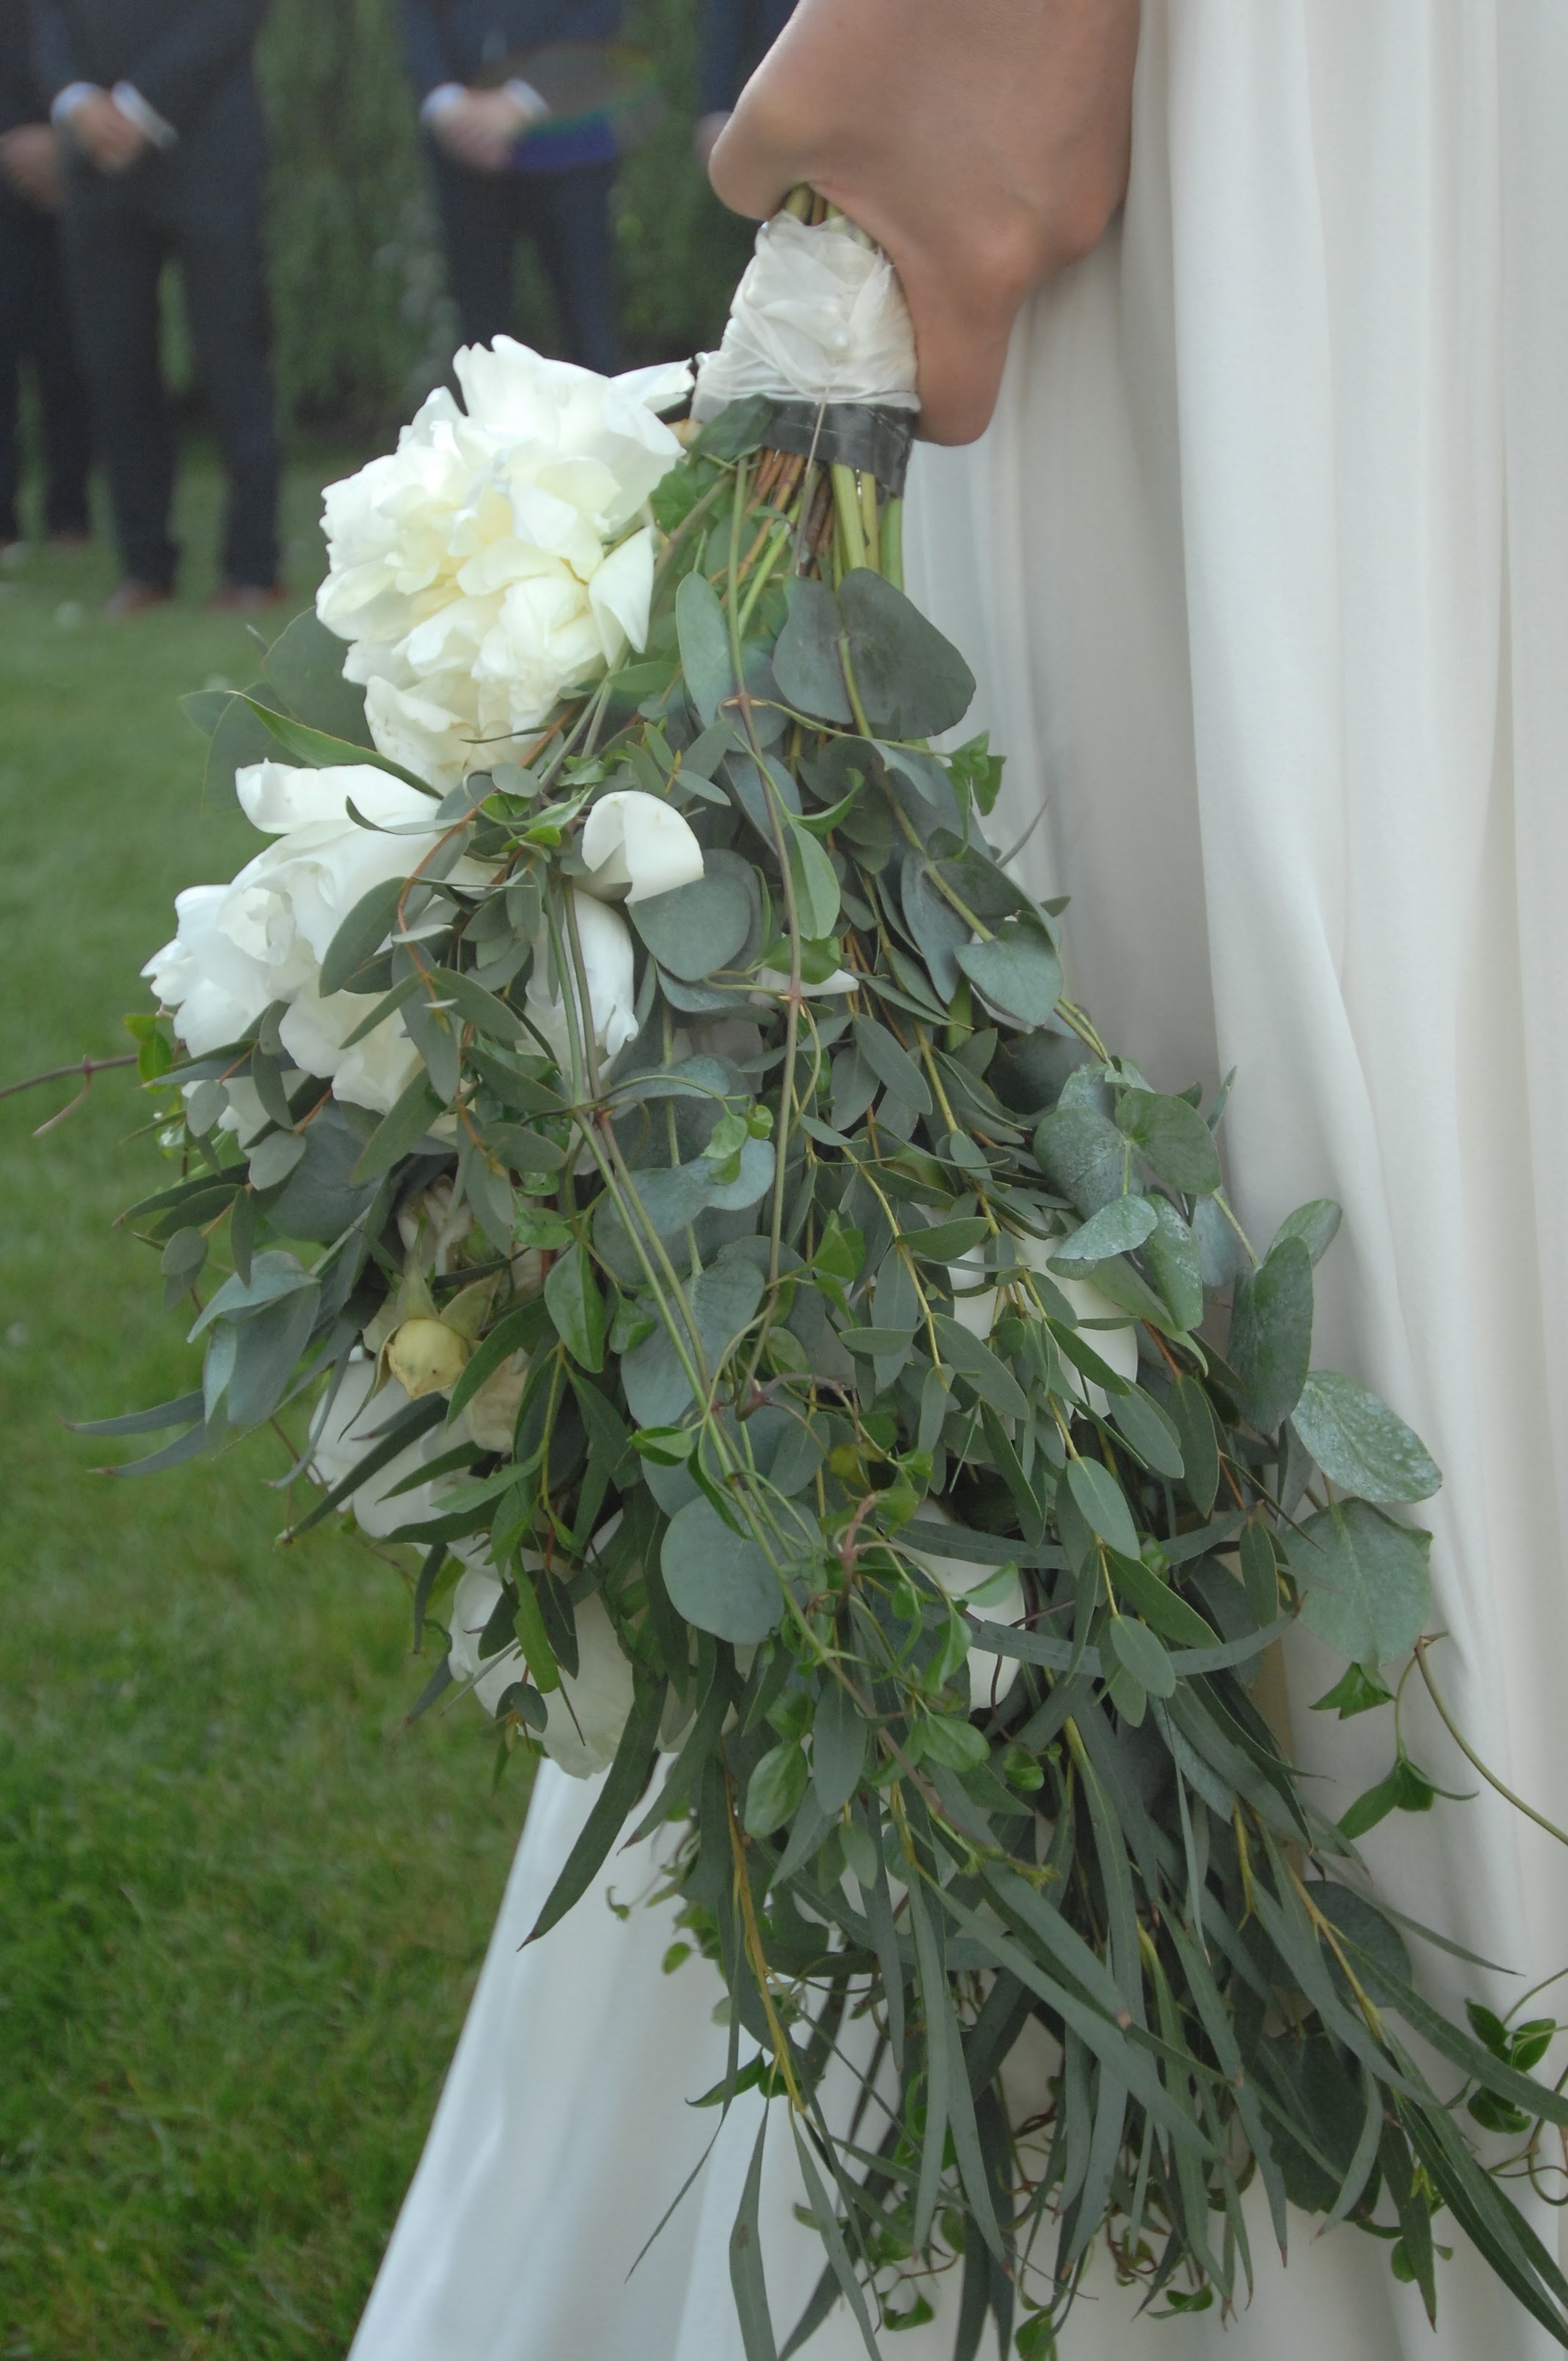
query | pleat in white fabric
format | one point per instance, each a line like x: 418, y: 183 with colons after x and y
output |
x: 1264, y: 569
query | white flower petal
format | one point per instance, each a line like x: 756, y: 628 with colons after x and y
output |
x: 346, y: 1430
x: 374, y: 1073
x: 621, y: 592
x: 607, y: 963
x: 636, y: 846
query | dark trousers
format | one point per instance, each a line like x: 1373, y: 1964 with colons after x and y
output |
x: 568, y: 216
x: 118, y: 233
x: 35, y: 326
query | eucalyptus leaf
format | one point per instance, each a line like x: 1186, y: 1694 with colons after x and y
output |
x: 1271, y: 1333
x: 1102, y: 1505
x: 912, y: 682
x: 1017, y: 970
x: 1173, y: 1137
x: 705, y: 661
x: 1359, y: 1443
x: 1138, y: 1652
x: 576, y: 1305
x: 808, y: 664
x: 1082, y: 1154
x: 1363, y: 1578
x: 1119, y: 1226
x: 720, y: 1581
x: 697, y: 929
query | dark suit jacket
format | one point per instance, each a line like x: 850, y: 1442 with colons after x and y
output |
x: 188, y: 58
x: 458, y: 41
x: 21, y: 100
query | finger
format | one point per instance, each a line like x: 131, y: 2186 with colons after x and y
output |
x: 958, y: 379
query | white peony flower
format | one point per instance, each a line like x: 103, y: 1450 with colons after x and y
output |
x: 496, y: 559
x: 1117, y: 1347
x: 990, y: 1675
x: 606, y: 942
x: 584, y: 1716
x: 636, y: 847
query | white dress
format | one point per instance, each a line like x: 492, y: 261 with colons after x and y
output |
x: 1264, y: 569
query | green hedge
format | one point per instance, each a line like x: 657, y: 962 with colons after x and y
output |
x: 362, y: 323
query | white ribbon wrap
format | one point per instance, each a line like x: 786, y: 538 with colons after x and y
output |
x: 818, y: 317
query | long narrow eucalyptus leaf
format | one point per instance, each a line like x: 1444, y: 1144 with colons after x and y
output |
x: 825, y: 2216
x: 746, y: 2263
x: 624, y: 1781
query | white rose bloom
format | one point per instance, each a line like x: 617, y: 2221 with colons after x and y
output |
x: 1117, y: 1347
x: 374, y: 1073
x: 245, y: 1116
x: 424, y: 734
x: 584, y: 1716
x: 636, y: 847
x: 262, y: 938
x: 990, y: 1675
x: 606, y: 942
x: 495, y: 559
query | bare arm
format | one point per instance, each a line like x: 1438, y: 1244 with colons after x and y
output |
x: 984, y: 143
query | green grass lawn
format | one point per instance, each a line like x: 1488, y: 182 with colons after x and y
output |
x: 239, y: 1915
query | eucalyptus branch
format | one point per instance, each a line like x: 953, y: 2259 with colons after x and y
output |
x: 1470, y: 1754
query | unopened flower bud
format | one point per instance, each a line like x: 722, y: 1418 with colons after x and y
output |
x: 427, y: 1357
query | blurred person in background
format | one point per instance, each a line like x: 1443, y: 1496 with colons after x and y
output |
x: 468, y: 59
x: 156, y: 105
x: 736, y: 35
x: 35, y: 319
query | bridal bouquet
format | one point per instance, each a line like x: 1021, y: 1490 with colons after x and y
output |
x: 634, y: 1138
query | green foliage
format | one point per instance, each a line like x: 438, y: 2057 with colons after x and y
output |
x: 363, y: 323
x: 949, y: 1577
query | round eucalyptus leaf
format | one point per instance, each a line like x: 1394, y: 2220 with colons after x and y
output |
x: 1173, y: 1137
x: 1115, y: 1229
x: 1018, y: 970
x: 1363, y: 1578
x: 697, y: 928
x: 911, y: 681
x: 1359, y: 1443
x: 719, y: 1580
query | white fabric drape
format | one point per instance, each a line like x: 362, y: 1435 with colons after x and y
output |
x: 1263, y: 570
